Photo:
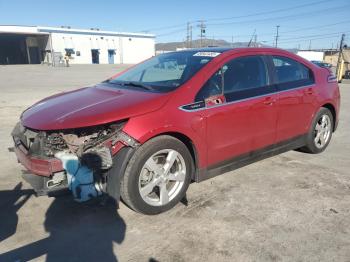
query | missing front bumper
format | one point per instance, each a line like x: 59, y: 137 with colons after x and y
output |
x: 40, y: 185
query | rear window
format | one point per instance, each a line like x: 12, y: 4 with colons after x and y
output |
x: 290, y: 71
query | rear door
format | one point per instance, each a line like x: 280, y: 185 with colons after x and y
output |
x: 296, y: 86
x: 240, y: 109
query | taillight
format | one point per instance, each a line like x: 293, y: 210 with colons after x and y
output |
x: 331, y: 78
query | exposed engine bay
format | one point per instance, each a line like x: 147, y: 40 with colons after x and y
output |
x: 86, y: 155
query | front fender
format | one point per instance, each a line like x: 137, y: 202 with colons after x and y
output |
x: 191, y: 125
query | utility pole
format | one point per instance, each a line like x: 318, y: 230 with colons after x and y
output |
x: 188, y: 35
x: 202, y: 27
x: 277, y: 35
x: 232, y: 41
x: 338, y: 71
x: 251, y: 39
x: 255, y: 40
x: 310, y: 45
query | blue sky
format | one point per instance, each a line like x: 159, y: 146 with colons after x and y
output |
x: 322, y: 21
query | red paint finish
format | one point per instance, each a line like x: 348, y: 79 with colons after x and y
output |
x: 295, y: 111
x: 218, y: 132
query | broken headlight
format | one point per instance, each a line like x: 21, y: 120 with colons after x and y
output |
x: 79, y: 140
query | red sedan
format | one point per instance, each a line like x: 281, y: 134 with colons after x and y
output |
x: 185, y: 116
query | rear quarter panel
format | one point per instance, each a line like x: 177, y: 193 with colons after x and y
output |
x: 327, y: 91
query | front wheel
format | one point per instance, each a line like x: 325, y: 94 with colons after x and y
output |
x: 320, y: 133
x: 157, y: 176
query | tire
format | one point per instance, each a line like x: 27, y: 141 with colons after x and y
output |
x: 150, y: 168
x: 316, y: 145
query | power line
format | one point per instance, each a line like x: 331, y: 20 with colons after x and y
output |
x: 270, y: 12
x: 313, y: 27
x: 311, y: 36
x: 278, y: 38
x: 308, y: 39
x: 300, y: 29
x: 165, y: 27
x: 284, y: 18
x: 290, y: 31
x: 172, y: 32
x: 236, y: 17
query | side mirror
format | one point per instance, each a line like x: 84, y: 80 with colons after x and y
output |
x: 215, y: 100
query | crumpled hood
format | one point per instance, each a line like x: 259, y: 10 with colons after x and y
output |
x: 90, y: 106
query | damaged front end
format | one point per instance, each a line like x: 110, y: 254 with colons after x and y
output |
x: 84, y: 160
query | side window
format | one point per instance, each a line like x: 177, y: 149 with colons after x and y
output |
x: 238, y: 79
x: 244, y: 74
x: 290, y: 73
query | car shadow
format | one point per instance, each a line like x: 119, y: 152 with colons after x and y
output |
x: 77, y: 232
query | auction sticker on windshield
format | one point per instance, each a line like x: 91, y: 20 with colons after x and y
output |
x: 208, y: 54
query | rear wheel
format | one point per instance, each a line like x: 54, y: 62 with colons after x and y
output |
x: 320, y: 133
x: 157, y: 176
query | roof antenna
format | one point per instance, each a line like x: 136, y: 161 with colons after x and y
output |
x: 251, y: 39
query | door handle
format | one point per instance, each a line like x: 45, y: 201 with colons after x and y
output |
x: 268, y: 101
x: 309, y: 91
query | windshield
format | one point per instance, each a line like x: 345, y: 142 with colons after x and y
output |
x: 164, y: 73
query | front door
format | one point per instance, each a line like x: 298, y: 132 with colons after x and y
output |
x: 243, y: 119
x: 34, y: 55
x: 111, y: 56
x: 95, y: 54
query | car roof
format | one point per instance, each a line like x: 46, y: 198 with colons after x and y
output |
x: 237, y: 49
x: 208, y: 49
x: 230, y: 50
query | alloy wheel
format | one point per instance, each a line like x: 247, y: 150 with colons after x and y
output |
x: 322, y: 131
x: 162, y: 177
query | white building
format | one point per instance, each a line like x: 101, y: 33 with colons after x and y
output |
x: 311, y: 55
x: 37, y: 44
